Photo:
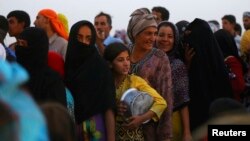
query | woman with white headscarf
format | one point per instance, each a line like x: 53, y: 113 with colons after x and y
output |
x: 153, y: 65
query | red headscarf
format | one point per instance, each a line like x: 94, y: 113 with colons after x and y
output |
x: 56, y: 24
x: 56, y: 62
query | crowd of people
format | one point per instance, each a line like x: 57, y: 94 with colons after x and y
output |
x: 61, y: 83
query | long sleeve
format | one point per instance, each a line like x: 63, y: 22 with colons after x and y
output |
x: 159, y: 104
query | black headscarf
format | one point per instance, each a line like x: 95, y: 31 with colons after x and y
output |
x: 208, y: 77
x: 44, y: 84
x: 87, y: 76
x: 228, y: 46
x: 173, y: 53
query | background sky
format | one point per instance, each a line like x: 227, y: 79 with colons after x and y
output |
x: 120, y: 10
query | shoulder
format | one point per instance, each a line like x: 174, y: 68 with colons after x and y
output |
x: 61, y: 40
x: 178, y: 63
x: 159, y: 57
x: 134, y: 77
x: 159, y: 53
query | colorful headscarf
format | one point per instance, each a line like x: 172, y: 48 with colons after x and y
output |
x: 64, y: 21
x: 140, y: 19
x: 56, y: 24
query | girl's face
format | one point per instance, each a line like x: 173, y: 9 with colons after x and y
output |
x: 121, y: 64
x: 165, y: 38
x: 145, y: 40
x: 84, y: 35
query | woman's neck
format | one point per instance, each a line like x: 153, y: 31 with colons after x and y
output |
x: 119, y: 79
x: 138, y: 54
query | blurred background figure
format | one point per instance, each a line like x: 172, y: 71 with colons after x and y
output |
x: 60, y: 124
x: 18, y: 21
x: 238, y: 29
x: 214, y: 24
x: 5, y: 52
x: 3, y: 32
x: 245, y: 40
x: 228, y: 24
x: 26, y: 121
x: 122, y: 34
x: 48, y: 20
x: 103, y: 26
x: 161, y: 13
x: 246, y: 20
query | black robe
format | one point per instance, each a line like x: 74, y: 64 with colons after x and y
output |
x: 208, y: 78
x: 44, y: 84
x: 88, y: 76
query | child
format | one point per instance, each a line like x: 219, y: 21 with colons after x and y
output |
x: 117, y: 55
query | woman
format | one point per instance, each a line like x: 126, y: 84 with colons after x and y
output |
x: 32, y: 53
x: 168, y: 40
x: 235, y: 65
x: 152, y: 65
x: 208, y: 78
x: 56, y: 63
x: 90, y: 80
x: 117, y: 56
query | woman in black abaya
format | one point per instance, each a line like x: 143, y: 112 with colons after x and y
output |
x: 32, y: 53
x: 208, y: 78
x: 89, y: 79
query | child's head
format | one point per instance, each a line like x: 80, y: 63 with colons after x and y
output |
x: 117, y: 55
x: 61, y: 126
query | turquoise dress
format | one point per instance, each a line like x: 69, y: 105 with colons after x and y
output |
x: 31, y: 122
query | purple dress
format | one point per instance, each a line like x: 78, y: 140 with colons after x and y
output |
x: 155, y: 69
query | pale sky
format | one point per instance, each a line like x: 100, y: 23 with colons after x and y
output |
x: 77, y: 10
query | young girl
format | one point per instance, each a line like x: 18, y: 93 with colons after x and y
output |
x: 117, y: 55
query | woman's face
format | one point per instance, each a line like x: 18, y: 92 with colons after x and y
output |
x: 121, y: 64
x: 145, y: 40
x: 165, y: 38
x: 84, y: 35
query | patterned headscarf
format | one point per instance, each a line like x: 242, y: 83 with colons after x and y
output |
x: 56, y: 24
x: 140, y: 19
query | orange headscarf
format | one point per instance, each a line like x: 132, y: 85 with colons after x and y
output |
x: 56, y: 24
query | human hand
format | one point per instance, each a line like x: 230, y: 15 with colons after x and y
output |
x: 121, y: 108
x: 189, y: 53
x: 133, y: 122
